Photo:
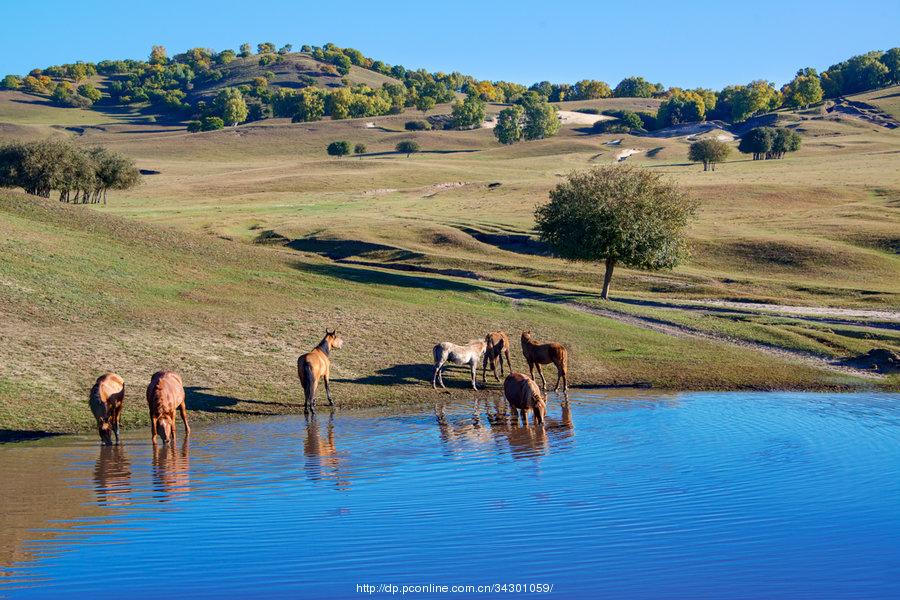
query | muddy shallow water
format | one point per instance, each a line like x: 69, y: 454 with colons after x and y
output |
x: 695, y: 495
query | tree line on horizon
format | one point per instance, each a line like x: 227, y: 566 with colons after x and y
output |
x: 165, y: 84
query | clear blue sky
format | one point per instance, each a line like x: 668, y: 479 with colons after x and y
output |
x: 684, y: 43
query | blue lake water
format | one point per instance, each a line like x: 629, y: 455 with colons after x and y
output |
x: 635, y: 495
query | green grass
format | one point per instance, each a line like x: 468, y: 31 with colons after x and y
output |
x: 886, y: 99
x: 81, y: 293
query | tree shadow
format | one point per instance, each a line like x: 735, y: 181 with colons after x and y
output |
x: 511, y: 242
x: 341, y: 249
x: 202, y: 399
x: 14, y: 435
x: 371, y: 276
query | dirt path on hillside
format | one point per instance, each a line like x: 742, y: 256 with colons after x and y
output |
x: 683, y: 331
x: 864, y: 111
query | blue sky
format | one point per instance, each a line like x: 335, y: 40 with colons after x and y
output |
x: 682, y: 43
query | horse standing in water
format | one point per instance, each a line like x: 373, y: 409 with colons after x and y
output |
x: 544, y: 353
x: 523, y: 395
x: 315, y: 365
x: 106, y: 400
x: 165, y: 395
x: 497, y: 347
x: 445, y: 352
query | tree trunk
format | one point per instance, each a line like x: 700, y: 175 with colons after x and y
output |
x: 610, y: 264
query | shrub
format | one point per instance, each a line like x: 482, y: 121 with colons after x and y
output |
x: 359, y: 149
x: 338, y: 148
x: 417, y: 126
x: 194, y: 126
x: 212, y: 123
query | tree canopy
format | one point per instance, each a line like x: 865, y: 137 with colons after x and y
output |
x: 619, y: 215
x: 79, y: 175
x: 469, y: 113
x: 769, y: 142
x: 338, y: 148
x: 407, y: 147
x: 709, y: 151
x: 509, y: 125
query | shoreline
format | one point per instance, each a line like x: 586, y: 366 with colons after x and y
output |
x: 11, y: 435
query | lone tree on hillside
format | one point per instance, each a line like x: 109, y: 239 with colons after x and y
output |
x: 338, y: 148
x: 617, y: 214
x: 359, y: 149
x: 407, y: 147
x: 709, y: 152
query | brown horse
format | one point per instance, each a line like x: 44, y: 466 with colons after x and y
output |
x: 523, y: 395
x: 106, y: 400
x: 497, y: 347
x: 315, y: 365
x: 165, y: 395
x: 544, y: 353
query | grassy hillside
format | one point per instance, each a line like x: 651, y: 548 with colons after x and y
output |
x: 82, y: 292
x: 250, y: 240
x: 242, y: 71
x: 886, y: 100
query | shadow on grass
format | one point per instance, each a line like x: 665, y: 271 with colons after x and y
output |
x: 341, y: 249
x: 408, y: 374
x: 371, y: 276
x: 202, y: 399
x: 14, y: 435
x: 403, y: 154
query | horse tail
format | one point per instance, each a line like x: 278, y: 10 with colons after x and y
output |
x: 98, y: 406
x: 307, y: 379
x: 438, y: 352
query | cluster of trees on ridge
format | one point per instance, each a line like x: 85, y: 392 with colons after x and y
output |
x: 80, y: 175
x: 166, y: 84
x: 762, y: 142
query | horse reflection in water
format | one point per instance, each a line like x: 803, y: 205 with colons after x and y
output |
x: 112, y: 477
x: 172, y: 471
x: 322, y: 458
x: 464, y: 434
x: 529, y: 440
x: 471, y: 433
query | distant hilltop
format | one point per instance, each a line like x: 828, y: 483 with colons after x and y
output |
x: 209, y: 89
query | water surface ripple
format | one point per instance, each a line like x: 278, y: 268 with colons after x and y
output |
x: 734, y: 495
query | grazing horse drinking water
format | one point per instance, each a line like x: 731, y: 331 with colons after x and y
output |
x: 316, y: 364
x: 106, y: 399
x: 544, y: 353
x: 165, y: 395
x: 523, y: 395
x: 497, y: 347
x: 445, y: 352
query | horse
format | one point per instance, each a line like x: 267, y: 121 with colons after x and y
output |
x: 315, y: 365
x: 165, y: 395
x: 445, y: 352
x: 497, y: 346
x: 106, y: 400
x: 523, y: 395
x: 544, y: 353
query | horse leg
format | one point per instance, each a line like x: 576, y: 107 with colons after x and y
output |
x: 541, y: 373
x: 474, y: 374
x: 494, y: 366
x: 437, y: 374
x: 524, y: 412
x: 328, y: 391
x: 183, y: 410
x: 531, y: 369
x: 484, y: 363
x: 508, y: 364
x: 153, y: 430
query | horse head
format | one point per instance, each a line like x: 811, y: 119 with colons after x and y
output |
x: 334, y: 340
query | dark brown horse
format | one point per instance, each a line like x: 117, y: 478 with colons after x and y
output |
x: 497, y: 347
x: 106, y: 400
x: 544, y: 353
x: 523, y: 395
x: 315, y: 365
x: 165, y: 395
